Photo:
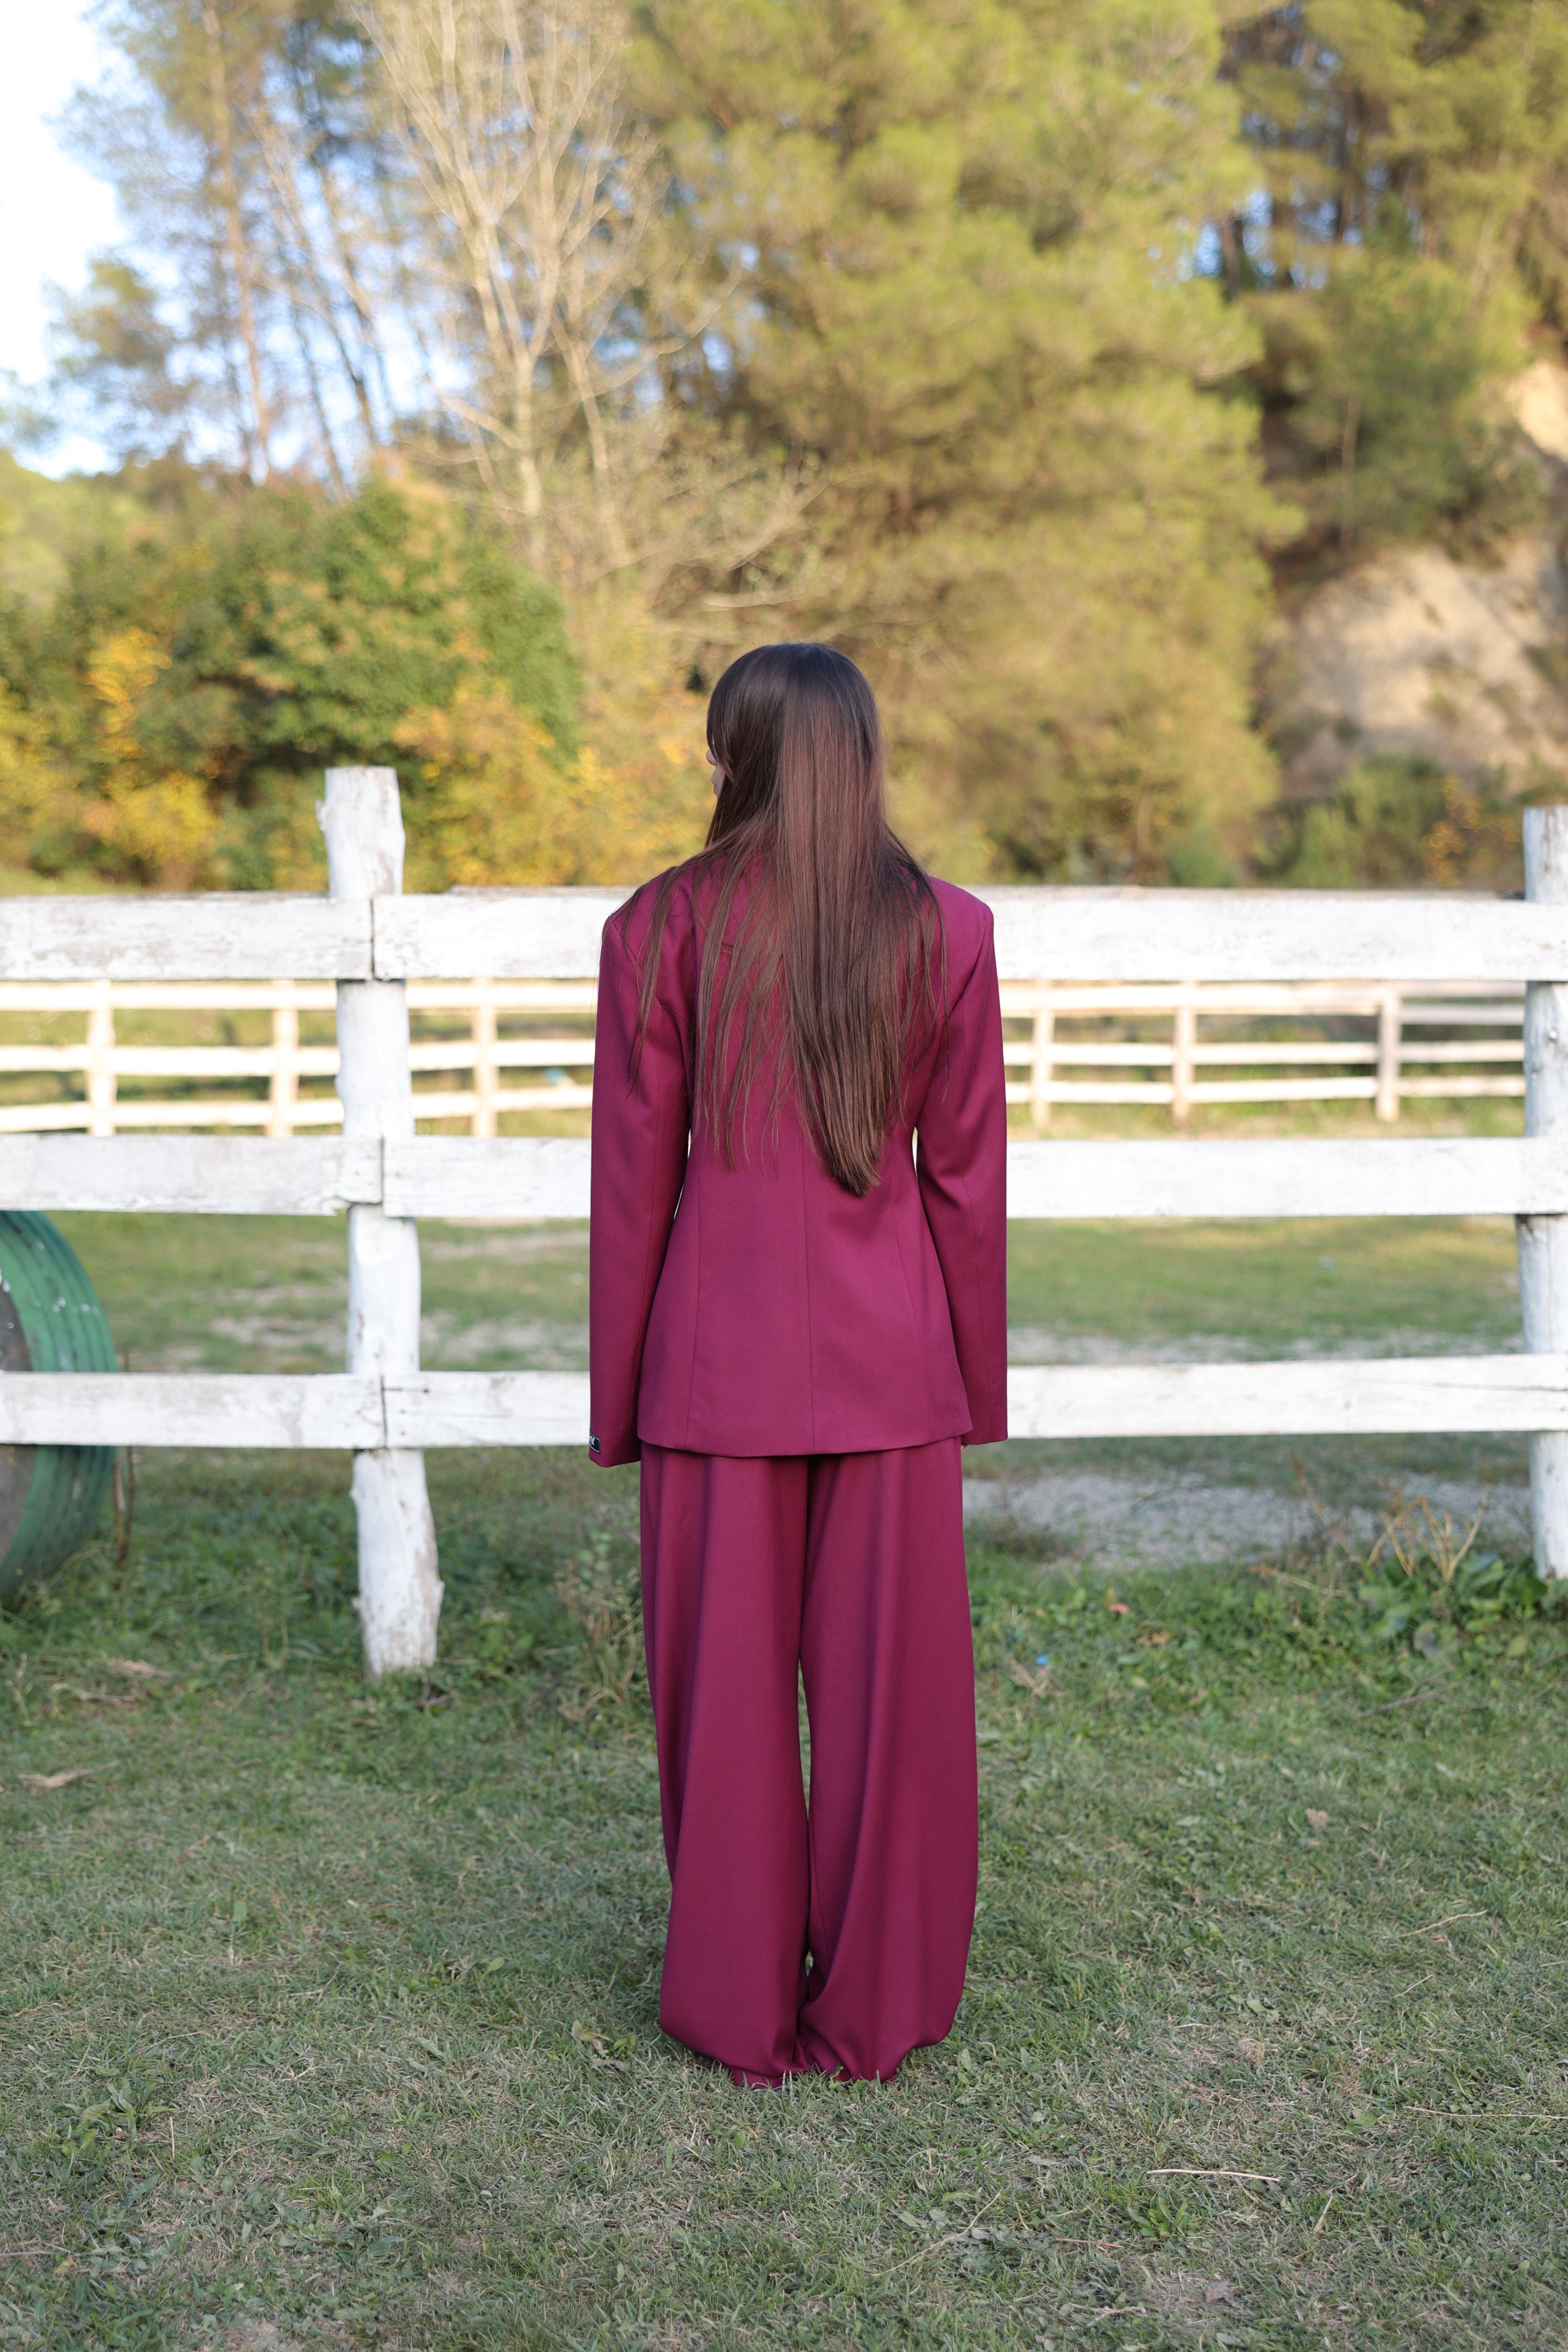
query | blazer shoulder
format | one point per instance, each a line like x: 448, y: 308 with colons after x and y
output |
x: 967, y: 922
x: 630, y: 924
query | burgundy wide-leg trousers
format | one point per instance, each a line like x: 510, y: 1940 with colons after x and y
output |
x: 834, y: 1938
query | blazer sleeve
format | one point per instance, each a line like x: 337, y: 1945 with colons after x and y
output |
x: 962, y: 1162
x: 641, y: 1129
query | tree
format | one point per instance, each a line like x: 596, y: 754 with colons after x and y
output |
x: 534, y: 191
x: 969, y: 307
x: 240, y: 147
x: 115, y: 352
x: 1408, y: 221
x: 1399, y: 821
x: 969, y: 333
x: 1386, y: 383
x: 170, y: 712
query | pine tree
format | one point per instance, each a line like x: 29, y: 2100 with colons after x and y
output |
x: 970, y: 316
x: 1410, y: 222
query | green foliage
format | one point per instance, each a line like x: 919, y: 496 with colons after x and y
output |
x: 321, y: 626
x: 1426, y: 1603
x: 114, y: 353
x: 1399, y: 820
x: 1009, y: 343
x: 1381, y: 1622
x: 43, y: 522
x: 1036, y: 517
x: 195, y: 671
x: 601, y: 1592
x: 1410, y: 158
x: 1429, y: 1585
x: 1389, y: 379
x: 1265, y: 1991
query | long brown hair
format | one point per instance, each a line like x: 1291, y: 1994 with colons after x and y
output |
x: 828, y: 964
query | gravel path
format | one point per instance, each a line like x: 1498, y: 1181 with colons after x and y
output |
x: 1041, y: 1343
x: 1173, y: 1521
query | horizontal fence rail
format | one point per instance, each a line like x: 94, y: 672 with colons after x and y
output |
x: 556, y: 1066
x: 1070, y: 934
x: 1338, y: 1397
x: 1138, y: 995
x: 520, y: 1179
x: 222, y: 935
x: 1224, y: 1044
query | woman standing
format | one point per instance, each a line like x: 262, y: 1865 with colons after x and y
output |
x: 798, y: 1315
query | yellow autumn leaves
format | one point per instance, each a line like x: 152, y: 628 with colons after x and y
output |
x: 159, y: 824
x: 489, y: 799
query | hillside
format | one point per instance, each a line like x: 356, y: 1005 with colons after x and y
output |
x: 1417, y: 653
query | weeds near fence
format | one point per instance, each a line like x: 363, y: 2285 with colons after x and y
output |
x: 1423, y: 1585
x: 1378, y: 1618
x: 600, y: 1589
x: 1434, y: 1586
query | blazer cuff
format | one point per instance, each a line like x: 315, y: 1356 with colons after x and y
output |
x: 618, y: 1445
x: 987, y: 1429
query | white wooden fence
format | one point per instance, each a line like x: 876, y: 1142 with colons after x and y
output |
x: 1390, y: 1047
x: 1172, y: 1047
x: 373, y: 943
x: 101, y: 1059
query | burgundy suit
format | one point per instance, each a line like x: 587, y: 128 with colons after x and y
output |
x: 796, y: 1368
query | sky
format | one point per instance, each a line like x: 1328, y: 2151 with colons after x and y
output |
x: 53, y: 212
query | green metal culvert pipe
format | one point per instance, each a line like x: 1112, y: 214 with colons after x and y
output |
x: 50, y: 1322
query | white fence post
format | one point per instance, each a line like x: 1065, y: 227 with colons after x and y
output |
x: 1544, y: 1240
x: 1040, y: 1064
x: 399, y: 1588
x: 1183, y: 1040
x: 284, y: 1090
x: 483, y: 1017
x: 101, y: 1086
x: 1390, y: 1028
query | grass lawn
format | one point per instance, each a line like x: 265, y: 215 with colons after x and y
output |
x: 329, y: 2017
x: 271, y: 1294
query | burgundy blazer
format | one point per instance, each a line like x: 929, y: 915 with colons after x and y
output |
x: 762, y: 1309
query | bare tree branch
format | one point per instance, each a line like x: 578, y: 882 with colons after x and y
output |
x: 537, y: 189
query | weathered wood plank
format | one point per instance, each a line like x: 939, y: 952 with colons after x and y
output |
x: 262, y: 1176
x: 527, y: 1177
x: 222, y: 935
x: 488, y: 1409
x: 1042, y: 934
x: 521, y: 1177
x: 1331, y: 1397
x: 1424, y: 1177
x: 1268, y: 935
x: 1543, y: 1242
x: 1328, y: 1397
x: 325, y: 1409
x: 217, y: 1061
x: 493, y: 934
x: 1057, y: 934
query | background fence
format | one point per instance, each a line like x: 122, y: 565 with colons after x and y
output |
x: 482, y: 1048
x: 372, y: 945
